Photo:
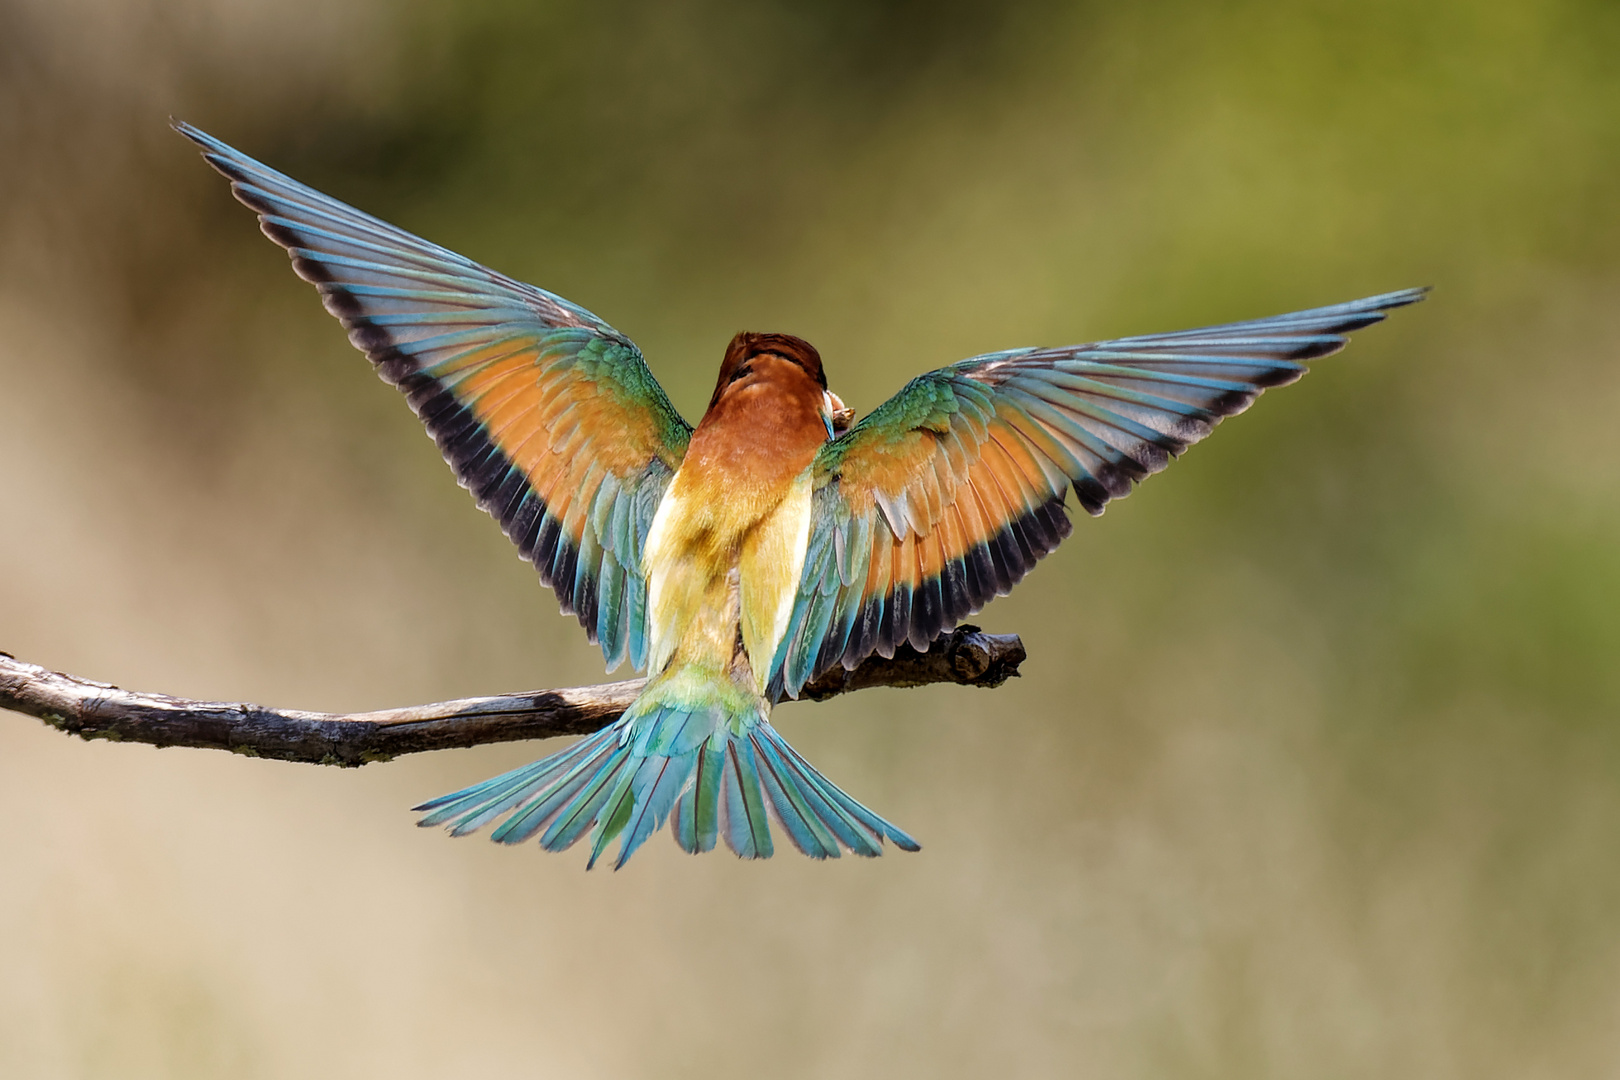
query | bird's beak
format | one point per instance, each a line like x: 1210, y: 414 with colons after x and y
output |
x: 835, y: 414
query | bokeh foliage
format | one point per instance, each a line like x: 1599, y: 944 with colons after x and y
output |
x: 1315, y: 769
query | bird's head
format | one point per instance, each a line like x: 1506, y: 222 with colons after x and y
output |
x: 779, y: 364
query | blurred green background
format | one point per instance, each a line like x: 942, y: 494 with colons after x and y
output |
x: 1315, y: 766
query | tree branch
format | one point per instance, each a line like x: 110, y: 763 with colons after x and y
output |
x: 93, y: 710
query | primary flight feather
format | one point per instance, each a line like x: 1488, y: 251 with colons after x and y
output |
x: 738, y: 560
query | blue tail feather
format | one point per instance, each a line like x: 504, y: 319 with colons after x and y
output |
x: 742, y: 811
x: 582, y: 811
x: 550, y: 800
x: 702, y: 757
x: 500, y: 793
x: 802, y: 825
x: 836, y: 795
x: 658, y: 783
x: 614, y: 811
x: 697, y: 820
x: 844, y: 829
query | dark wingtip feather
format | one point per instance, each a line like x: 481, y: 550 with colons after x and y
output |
x: 1310, y: 349
x: 1282, y: 375
x: 1398, y: 298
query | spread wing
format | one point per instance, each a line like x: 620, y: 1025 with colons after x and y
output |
x: 945, y: 496
x: 546, y: 413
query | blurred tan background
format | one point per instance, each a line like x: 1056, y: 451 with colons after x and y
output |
x: 1315, y: 766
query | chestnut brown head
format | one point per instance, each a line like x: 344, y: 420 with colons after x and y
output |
x: 747, y: 346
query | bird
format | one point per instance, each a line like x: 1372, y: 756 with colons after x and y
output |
x: 778, y: 539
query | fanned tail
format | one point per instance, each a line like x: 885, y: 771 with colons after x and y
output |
x: 712, y: 768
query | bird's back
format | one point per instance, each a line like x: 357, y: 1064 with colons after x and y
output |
x: 728, y: 542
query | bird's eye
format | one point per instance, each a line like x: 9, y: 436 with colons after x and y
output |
x: 741, y: 373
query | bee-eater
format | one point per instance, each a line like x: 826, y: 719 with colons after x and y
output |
x: 737, y: 560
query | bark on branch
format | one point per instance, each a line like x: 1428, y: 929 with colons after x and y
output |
x: 93, y: 710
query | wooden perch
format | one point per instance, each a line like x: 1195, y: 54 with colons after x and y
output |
x: 93, y: 710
